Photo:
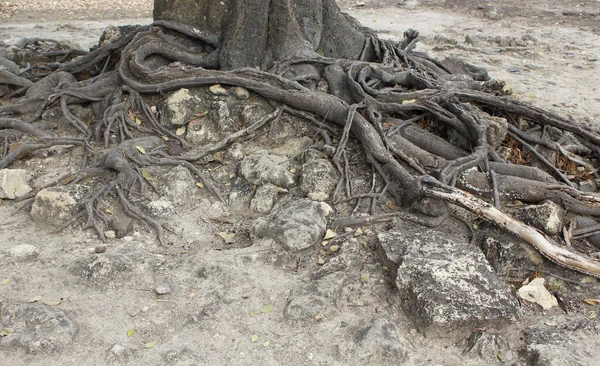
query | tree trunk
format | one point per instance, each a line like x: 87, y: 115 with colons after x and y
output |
x: 258, y: 33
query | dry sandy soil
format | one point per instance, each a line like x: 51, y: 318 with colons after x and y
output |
x: 547, y: 51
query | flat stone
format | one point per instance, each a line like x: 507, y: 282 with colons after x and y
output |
x: 217, y: 89
x: 536, y: 292
x: 318, y: 196
x: 179, y: 184
x: 297, y: 225
x: 510, y: 256
x: 101, y: 268
x: 163, y: 289
x: 259, y: 169
x: 14, y: 183
x: 23, y: 251
x: 447, y: 285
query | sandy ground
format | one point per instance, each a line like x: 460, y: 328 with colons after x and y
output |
x: 547, y: 57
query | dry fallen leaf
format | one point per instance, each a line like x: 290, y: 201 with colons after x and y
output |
x: 267, y: 343
x: 254, y: 338
x: 141, y: 149
x: 266, y: 309
x: 180, y: 131
x: 35, y: 299
x: 151, y: 344
x: 52, y: 303
x: 5, y: 281
x: 329, y: 234
x: 365, y: 277
x: 592, y: 302
x: 227, y: 237
x: 138, y: 121
x: 409, y: 101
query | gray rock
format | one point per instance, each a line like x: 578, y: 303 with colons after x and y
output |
x: 101, y: 268
x: 446, y: 284
x: 293, y: 147
x: 296, y: 225
x: 241, y: 93
x: 264, y: 198
x: 254, y: 112
x: 179, y: 108
x: 57, y: 205
x: 547, y: 217
x: 488, y: 346
x: 39, y: 328
x: 562, y: 346
x: 179, y: 184
x: 240, y: 195
x: 379, y: 343
x: 163, y: 289
x: 512, y: 258
x: 14, y: 183
x: 160, y: 209
x: 536, y: 292
x: 306, y: 307
x: 318, y: 175
x: 263, y: 168
x: 23, y: 251
x: 318, y: 196
x: 203, y: 130
x: 217, y: 89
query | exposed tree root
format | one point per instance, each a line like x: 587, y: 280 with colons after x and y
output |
x: 425, y: 126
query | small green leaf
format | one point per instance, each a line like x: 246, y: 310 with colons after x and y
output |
x: 138, y: 121
x: 5, y: 281
x: 141, y: 149
x: 254, y: 338
x: 200, y: 185
x: 334, y: 248
x: 409, y: 101
x: 253, y: 313
x: 151, y: 344
x: 35, y: 299
x: 266, y: 309
x: 267, y: 343
x: 227, y: 237
x: 131, y: 332
x: 365, y: 277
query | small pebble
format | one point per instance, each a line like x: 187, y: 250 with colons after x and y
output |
x: 100, y: 249
x: 217, y: 89
x: 241, y: 93
x: 163, y: 289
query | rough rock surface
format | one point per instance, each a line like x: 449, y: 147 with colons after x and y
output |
x: 39, y: 328
x: 264, y: 198
x: 297, y: 225
x: 264, y: 168
x: 179, y: 184
x: 557, y: 345
x: 14, y: 183
x: 511, y: 257
x: 318, y: 175
x: 547, y: 217
x: 179, y: 108
x: 57, y: 205
x: 447, y: 284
